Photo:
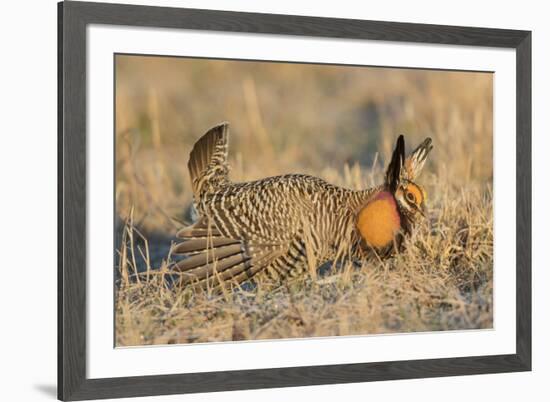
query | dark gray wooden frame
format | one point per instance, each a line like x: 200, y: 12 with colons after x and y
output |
x: 73, y: 18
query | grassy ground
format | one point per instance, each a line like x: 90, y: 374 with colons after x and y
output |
x: 326, y: 121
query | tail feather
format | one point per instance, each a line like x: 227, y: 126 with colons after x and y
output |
x: 208, y: 160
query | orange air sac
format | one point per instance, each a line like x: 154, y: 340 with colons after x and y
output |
x: 379, y: 221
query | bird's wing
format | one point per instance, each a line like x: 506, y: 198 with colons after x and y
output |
x: 245, y: 229
x: 213, y: 259
x: 269, y: 211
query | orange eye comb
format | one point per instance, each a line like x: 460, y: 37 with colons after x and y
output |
x: 419, y: 195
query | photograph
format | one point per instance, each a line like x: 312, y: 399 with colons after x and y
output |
x: 268, y: 200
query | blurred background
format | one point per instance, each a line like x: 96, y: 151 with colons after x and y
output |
x: 336, y: 122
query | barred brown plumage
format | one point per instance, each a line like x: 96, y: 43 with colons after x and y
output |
x: 274, y: 225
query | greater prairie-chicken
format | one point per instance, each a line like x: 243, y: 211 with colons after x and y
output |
x: 275, y: 225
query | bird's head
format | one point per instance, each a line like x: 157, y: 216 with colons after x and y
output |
x: 401, y: 201
x: 401, y: 178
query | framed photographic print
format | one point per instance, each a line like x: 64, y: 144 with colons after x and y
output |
x: 253, y: 200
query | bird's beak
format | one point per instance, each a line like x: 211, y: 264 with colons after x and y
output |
x: 422, y: 210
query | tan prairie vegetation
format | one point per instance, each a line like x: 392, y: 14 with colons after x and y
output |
x: 335, y: 122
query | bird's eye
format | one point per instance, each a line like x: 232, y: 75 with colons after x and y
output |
x: 410, y: 197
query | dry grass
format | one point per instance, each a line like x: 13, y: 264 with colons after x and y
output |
x: 327, y: 121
